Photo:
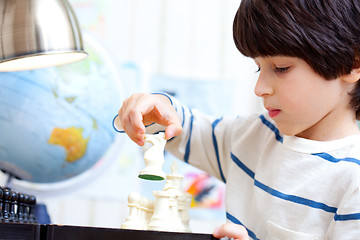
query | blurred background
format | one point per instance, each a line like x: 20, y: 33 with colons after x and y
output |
x: 182, y: 47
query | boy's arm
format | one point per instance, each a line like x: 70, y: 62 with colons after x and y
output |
x: 205, y: 141
x: 346, y: 222
x: 196, y: 140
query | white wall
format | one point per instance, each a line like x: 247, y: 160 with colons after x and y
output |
x: 178, y: 38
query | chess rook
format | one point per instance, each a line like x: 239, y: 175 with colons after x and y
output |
x: 160, y: 220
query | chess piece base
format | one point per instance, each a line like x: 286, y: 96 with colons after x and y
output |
x: 151, y: 177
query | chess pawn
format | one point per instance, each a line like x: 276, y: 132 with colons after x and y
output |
x: 13, y: 205
x: 32, y: 209
x: 160, y: 220
x: 149, y: 210
x: 142, y: 211
x: 6, y: 198
x: 154, y: 157
x: 133, y: 221
x: 21, y: 208
x: 26, y: 208
x: 1, y: 205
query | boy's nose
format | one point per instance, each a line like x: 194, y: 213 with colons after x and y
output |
x: 263, y: 87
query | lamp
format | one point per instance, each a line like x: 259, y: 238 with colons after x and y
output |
x: 38, y: 33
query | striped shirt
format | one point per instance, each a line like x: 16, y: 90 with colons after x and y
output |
x: 278, y: 187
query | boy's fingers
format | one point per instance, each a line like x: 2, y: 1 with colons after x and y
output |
x: 231, y: 230
x: 164, y: 116
x: 140, y: 110
x: 136, y: 128
x: 168, y: 117
x: 131, y: 123
x: 172, y: 130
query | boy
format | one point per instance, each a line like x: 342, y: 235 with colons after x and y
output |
x: 294, y: 171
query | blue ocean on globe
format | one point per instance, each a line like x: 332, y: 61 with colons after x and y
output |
x: 55, y: 123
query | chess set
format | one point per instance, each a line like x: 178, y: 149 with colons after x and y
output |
x: 170, y: 209
x: 164, y: 218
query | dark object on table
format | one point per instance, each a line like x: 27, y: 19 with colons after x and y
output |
x: 10, y: 231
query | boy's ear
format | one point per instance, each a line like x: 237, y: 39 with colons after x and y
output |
x: 353, y: 76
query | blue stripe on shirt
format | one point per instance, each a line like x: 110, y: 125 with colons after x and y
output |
x: 242, y: 166
x: 235, y: 220
x: 164, y: 94
x: 330, y: 158
x: 272, y: 128
x: 278, y: 194
x: 183, y: 116
x: 217, y: 149
x: 347, y: 217
x: 187, y: 149
x: 324, y: 156
x: 295, y: 199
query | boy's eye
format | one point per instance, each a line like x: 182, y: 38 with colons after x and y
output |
x: 281, y: 70
x: 258, y: 70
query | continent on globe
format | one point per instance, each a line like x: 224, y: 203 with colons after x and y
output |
x: 72, y: 140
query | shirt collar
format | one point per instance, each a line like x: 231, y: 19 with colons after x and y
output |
x: 304, y: 145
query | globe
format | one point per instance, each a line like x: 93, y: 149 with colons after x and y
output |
x: 55, y: 123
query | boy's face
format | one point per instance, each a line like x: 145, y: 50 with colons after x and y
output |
x: 302, y: 102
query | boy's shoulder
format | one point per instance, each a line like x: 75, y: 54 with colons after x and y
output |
x: 260, y: 125
x: 253, y: 131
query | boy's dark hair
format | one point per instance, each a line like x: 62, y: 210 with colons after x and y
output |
x: 324, y: 33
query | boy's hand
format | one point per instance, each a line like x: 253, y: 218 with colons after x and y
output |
x: 231, y: 230
x: 144, y: 109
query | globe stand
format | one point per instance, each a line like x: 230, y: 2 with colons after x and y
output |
x: 9, y: 179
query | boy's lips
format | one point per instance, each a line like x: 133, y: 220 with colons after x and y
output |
x: 273, y: 112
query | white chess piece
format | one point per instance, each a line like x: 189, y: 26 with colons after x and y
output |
x: 160, y: 220
x: 184, y: 203
x: 175, y: 178
x: 177, y: 224
x: 173, y: 186
x: 133, y: 221
x: 154, y: 157
x: 149, y: 210
x: 143, y: 211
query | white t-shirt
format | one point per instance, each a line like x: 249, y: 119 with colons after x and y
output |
x: 278, y: 187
